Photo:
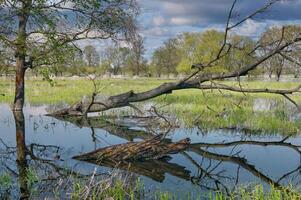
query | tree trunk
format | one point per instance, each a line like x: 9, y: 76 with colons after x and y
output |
x: 20, y: 85
x: 193, y: 81
x: 20, y: 54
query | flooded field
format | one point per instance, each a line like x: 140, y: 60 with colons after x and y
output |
x: 36, y: 155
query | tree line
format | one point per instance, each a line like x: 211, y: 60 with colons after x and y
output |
x: 176, y: 56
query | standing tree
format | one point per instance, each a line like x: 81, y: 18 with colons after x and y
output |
x: 36, y: 30
x: 166, y: 58
x: 114, y: 59
x: 272, y: 38
x: 136, y: 60
x: 91, y: 56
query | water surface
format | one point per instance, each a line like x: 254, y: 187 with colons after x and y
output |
x: 216, y: 159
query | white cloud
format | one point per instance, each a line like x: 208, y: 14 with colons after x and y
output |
x: 157, y: 31
x: 159, y: 21
x: 250, y: 28
x: 181, y: 21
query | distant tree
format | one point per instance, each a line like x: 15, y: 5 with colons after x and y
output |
x: 156, y: 65
x: 241, y: 54
x: 166, y: 58
x: 187, y: 47
x: 37, y: 30
x: 136, y: 59
x: 114, y: 59
x: 273, y: 37
x: 6, y: 58
x: 91, y: 55
x: 295, y: 62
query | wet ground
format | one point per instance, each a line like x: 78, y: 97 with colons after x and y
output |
x: 215, y: 160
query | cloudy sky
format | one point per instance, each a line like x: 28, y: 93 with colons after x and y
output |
x: 162, y: 19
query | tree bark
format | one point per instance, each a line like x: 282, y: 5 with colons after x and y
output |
x: 20, y: 85
x: 20, y: 54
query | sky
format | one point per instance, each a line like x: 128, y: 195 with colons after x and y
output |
x: 162, y: 19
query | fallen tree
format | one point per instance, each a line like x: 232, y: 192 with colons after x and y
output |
x: 153, y: 148
x: 198, y: 79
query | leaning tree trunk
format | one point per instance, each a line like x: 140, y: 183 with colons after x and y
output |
x: 193, y: 81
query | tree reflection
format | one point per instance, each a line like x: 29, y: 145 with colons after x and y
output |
x: 21, y: 154
x: 22, y: 160
x: 208, y: 169
x: 210, y: 166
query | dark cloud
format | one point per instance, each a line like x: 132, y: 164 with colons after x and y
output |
x: 203, y: 12
x: 162, y: 19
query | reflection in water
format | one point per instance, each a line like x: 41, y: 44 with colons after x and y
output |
x: 215, y: 161
x: 289, y: 109
x: 21, y: 154
x: 208, y: 176
x: 21, y: 162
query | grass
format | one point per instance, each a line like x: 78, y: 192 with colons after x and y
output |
x: 120, y: 186
x: 256, y: 192
x: 121, y: 192
x: 208, y: 109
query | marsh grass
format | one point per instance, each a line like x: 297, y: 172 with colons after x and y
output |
x: 208, y: 109
x: 5, y: 182
x: 116, y: 186
x: 258, y: 193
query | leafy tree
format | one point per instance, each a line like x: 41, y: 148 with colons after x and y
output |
x: 166, y: 58
x: 201, y: 47
x: 136, y: 60
x: 114, y: 59
x: 241, y: 52
x: 187, y: 47
x: 41, y: 32
x: 91, y: 56
x: 273, y: 37
x: 6, y: 65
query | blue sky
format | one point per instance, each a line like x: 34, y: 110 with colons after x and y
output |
x: 162, y: 19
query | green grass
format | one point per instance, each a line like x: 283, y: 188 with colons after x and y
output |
x: 120, y: 192
x: 209, y: 109
x: 119, y: 187
x: 256, y: 192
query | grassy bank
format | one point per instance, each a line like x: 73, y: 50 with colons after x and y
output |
x: 209, y: 109
x: 118, y: 186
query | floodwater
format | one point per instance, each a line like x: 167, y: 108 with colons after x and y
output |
x: 217, y: 160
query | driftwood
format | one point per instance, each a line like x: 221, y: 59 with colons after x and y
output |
x: 154, y: 148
